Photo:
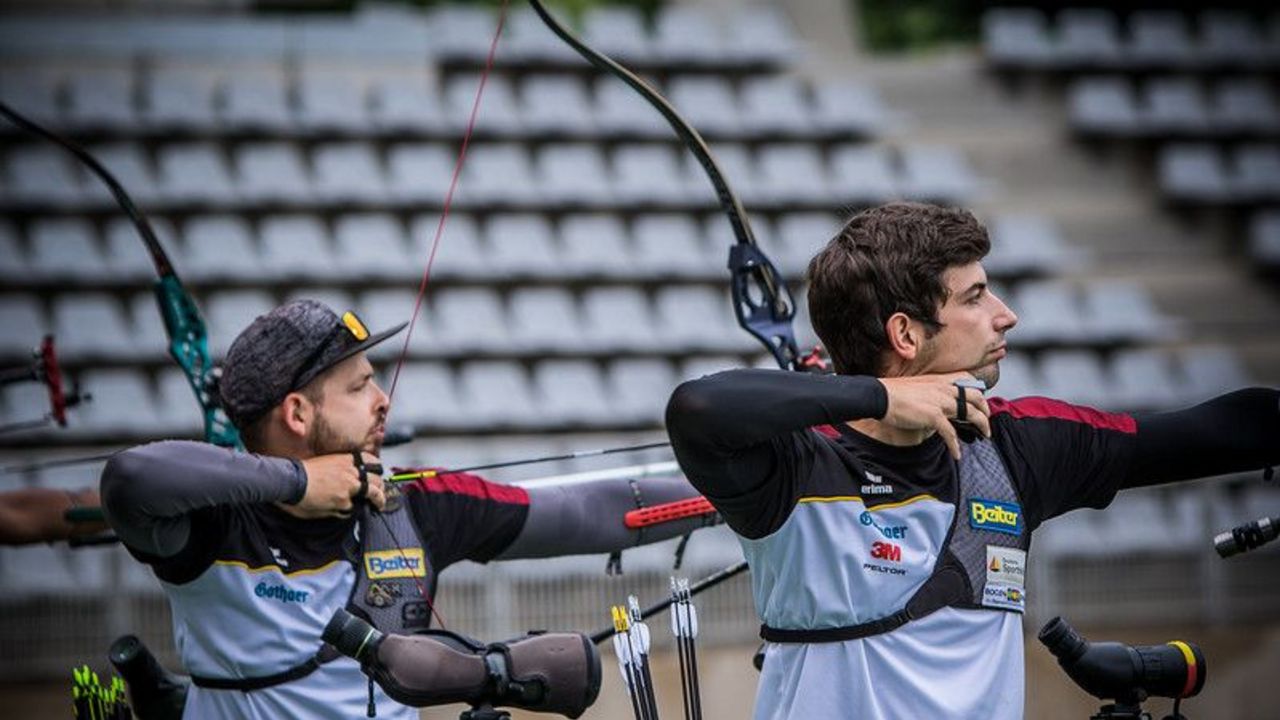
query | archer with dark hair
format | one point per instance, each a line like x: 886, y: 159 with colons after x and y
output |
x: 886, y: 511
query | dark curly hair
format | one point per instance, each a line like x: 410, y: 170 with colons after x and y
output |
x: 885, y: 260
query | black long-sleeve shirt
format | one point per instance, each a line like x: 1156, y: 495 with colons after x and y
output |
x: 745, y: 439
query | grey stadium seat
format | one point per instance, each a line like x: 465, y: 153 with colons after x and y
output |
x: 938, y: 173
x: 462, y: 32
x: 801, y: 236
x: 419, y: 172
x: 42, y: 174
x: 498, y: 393
x: 557, y: 105
x: 1104, y: 106
x: 735, y: 162
x: 1192, y: 173
x: 863, y: 174
x: 1264, y: 238
x: 1121, y: 311
x: 1028, y: 243
x: 1144, y: 380
x: 1244, y: 105
x: 33, y: 91
x: 1211, y: 370
x: 229, y: 312
x: 709, y: 103
x: 687, y: 35
x: 696, y: 318
x: 348, y: 172
x: 385, y: 308
x: 595, y: 245
x: 638, y: 388
x: 571, y: 392
x: 648, y: 174
x: 1257, y: 172
x: 619, y: 110
x: 256, y: 99
x: 1048, y: 313
x: 92, y: 325
x: 1231, y: 38
x: 499, y: 111
x: 471, y: 319
x: 1088, y: 37
x: 128, y: 162
x: 272, y: 172
x: 573, y: 174
x: 296, y: 247
x: 122, y: 402
x: 181, y: 98
x: 544, y: 320
x: 618, y: 31
x: 497, y: 173
x: 776, y: 105
x: 793, y: 174
x: 13, y: 258
x: 1175, y: 106
x: 1077, y: 376
x: 521, y: 246
x: 849, y: 107
x: 618, y: 319
x: 195, y: 173
x: 372, y: 246
x: 220, y: 248
x: 1018, y: 377
x: 1017, y: 37
x: 461, y: 254
x: 1160, y: 38
x: 25, y: 315
x: 65, y: 248
x: 150, y: 337
x: 426, y: 394
x: 528, y: 40
x: 101, y: 98
x: 333, y: 102
x: 407, y: 104
x: 670, y: 245
x: 758, y: 34
x: 176, y: 407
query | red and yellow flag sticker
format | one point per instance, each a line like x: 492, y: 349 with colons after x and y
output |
x: 356, y: 327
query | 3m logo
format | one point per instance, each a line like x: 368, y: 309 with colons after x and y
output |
x: 384, y: 564
x: 995, y: 516
x: 886, y: 551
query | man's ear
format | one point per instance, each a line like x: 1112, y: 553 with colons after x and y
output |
x: 297, y: 413
x: 905, y: 336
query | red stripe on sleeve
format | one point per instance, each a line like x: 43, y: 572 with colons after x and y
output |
x: 827, y: 431
x: 1040, y: 407
x: 473, y: 486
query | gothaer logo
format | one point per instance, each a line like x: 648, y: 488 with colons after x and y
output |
x: 386, y: 564
x: 996, y: 516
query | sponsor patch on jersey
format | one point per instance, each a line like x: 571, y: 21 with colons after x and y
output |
x: 998, y: 595
x: 1006, y: 578
x: 386, y: 564
x: 996, y: 516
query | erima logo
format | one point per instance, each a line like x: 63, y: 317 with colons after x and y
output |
x: 278, y: 557
x: 384, y: 564
x: 878, y: 486
x: 995, y: 516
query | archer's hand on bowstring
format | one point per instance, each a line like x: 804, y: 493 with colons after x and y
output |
x: 931, y: 402
x: 334, y: 485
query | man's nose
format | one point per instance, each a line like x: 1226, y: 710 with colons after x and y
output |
x: 1006, y: 318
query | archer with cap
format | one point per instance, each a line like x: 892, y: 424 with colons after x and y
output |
x: 887, y: 547
x: 257, y: 550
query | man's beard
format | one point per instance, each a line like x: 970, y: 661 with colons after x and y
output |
x: 989, y: 374
x: 324, y: 440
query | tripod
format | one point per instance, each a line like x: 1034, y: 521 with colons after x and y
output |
x: 1122, y: 710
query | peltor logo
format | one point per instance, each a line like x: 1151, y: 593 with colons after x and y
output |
x: 996, y: 516
x: 386, y: 564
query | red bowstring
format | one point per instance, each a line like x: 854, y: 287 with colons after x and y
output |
x: 448, y: 199
x: 431, y: 258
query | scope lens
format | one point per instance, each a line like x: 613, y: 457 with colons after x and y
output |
x: 1062, y: 640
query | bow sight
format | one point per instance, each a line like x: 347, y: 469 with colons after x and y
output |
x: 45, y: 370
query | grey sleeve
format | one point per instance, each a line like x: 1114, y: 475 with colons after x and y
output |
x: 588, y: 518
x: 148, y: 491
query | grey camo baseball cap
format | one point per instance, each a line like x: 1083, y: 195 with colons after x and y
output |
x: 283, y: 350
